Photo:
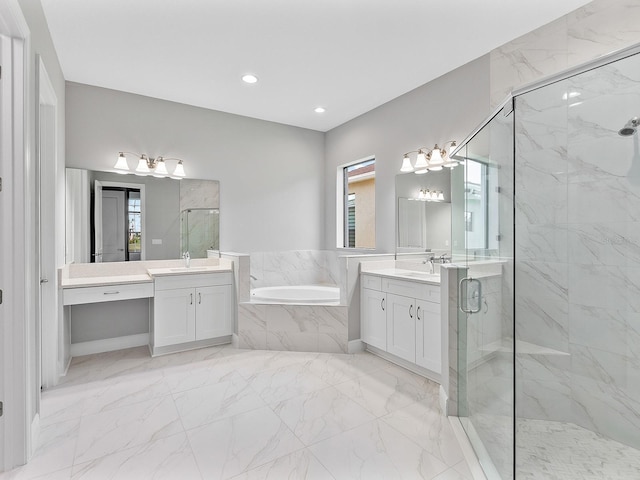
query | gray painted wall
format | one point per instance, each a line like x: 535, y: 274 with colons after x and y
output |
x: 271, y: 175
x: 447, y: 108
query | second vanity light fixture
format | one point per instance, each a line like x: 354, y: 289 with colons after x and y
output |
x: 434, y: 160
x: 147, y: 165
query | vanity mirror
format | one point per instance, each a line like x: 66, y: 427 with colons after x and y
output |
x: 423, y: 215
x: 112, y: 217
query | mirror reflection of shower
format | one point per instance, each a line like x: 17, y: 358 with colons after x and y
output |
x: 200, y: 232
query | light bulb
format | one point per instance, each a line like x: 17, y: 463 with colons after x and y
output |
x: 121, y: 163
x: 421, y: 161
x: 161, y: 168
x: 179, y: 171
x: 142, y: 165
x: 436, y: 159
x: 406, y: 164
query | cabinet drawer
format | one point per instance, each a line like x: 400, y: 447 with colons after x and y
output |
x: 422, y: 291
x: 193, y: 280
x: 371, y: 281
x: 78, y: 296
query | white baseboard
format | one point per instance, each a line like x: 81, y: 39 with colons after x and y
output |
x: 109, y: 344
x: 35, y: 435
x: 444, y: 401
x: 355, y: 346
x: 412, y: 367
x: 235, y: 340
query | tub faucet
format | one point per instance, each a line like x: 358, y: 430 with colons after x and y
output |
x: 187, y: 259
x: 444, y: 258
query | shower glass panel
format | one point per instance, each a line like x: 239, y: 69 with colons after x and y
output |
x: 577, y: 177
x: 485, y: 315
x: 200, y: 231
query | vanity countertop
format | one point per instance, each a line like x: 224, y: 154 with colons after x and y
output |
x: 126, y: 273
x: 108, y: 280
x: 161, y: 272
x: 412, y: 275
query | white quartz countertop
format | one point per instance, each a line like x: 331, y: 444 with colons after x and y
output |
x: 413, y: 275
x: 161, y: 272
x: 76, y: 282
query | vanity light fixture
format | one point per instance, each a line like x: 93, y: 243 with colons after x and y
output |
x: 435, y: 159
x: 147, y: 165
x: 430, y: 195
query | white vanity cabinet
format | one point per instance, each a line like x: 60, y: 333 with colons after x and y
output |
x: 402, y: 317
x: 374, y: 317
x: 190, y: 308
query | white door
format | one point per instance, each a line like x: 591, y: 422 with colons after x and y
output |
x: 113, y: 226
x: 213, y: 312
x: 374, y: 318
x: 428, y: 336
x: 174, y: 319
x: 97, y: 222
x: 401, y: 327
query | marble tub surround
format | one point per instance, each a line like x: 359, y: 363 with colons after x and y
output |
x: 93, y: 274
x: 222, y: 413
x: 303, y: 328
x: 296, y: 267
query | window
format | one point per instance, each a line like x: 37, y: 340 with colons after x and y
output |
x: 357, y: 205
x: 133, y: 213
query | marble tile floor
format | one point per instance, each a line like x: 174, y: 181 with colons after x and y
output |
x: 224, y: 413
x: 561, y: 451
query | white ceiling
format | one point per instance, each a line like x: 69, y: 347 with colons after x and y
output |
x: 348, y: 56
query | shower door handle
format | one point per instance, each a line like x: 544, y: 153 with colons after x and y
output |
x: 476, y: 295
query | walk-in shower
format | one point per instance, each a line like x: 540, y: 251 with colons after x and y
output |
x: 549, y: 346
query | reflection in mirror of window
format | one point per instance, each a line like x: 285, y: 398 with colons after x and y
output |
x: 476, y: 205
x: 358, y: 204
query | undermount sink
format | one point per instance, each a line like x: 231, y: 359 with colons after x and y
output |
x: 424, y: 275
x: 187, y: 269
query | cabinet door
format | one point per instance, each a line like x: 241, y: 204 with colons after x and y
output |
x: 401, y: 327
x: 373, y: 318
x: 174, y: 317
x: 213, y: 312
x: 428, y: 336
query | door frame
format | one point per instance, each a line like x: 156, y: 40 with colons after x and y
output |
x: 16, y: 170
x: 143, y: 208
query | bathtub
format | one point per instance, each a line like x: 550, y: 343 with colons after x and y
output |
x: 297, y: 295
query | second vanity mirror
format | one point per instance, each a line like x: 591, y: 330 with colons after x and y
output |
x: 112, y: 217
x: 423, y: 216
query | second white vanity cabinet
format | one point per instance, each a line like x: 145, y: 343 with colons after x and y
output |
x: 402, y: 317
x: 190, y: 308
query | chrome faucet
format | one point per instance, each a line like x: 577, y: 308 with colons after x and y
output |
x: 431, y: 259
x: 444, y: 258
x: 187, y: 259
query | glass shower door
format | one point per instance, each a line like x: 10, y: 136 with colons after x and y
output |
x: 484, y: 225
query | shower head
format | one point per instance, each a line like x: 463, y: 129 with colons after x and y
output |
x: 630, y: 128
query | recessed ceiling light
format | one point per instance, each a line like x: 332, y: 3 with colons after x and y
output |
x: 249, y: 78
x: 319, y: 110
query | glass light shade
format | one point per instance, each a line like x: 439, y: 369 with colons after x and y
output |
x: 421, y: 172
x: 421, y: 161
x: 142, y: 165
x: 436, y: 169
x: 161, y: 168
x: 440, y: 197
x: 436, y: 159
x: 451, y: 164
x: 179, y: 171
x: 406, y: 164
x: 121, y: 163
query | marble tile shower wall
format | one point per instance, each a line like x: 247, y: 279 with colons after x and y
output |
x: 578, y: 251
x: 598, y: 28
x: 296, y: 267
